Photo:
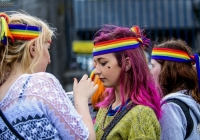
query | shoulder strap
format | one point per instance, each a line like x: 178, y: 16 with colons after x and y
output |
x: 11, y: 128
x: 116, y: 120
x: 185, y: 109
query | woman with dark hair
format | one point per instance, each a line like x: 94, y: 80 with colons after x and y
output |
x: 173, y: 69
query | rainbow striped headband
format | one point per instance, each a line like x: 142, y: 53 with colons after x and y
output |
x: 24, y: 32
x: 116, y: 45
x: 177, y: 56
x: 16, y: 31
x: 170, y: 55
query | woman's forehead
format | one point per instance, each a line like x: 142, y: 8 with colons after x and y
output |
x: 103, y: 56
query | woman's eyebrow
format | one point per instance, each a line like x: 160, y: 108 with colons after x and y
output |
x: 100, y: 58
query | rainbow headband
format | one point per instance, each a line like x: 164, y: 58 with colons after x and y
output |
x: 177, y: 56
x: 116, y: 45
x: 16, y: 31
x: 170, y: 55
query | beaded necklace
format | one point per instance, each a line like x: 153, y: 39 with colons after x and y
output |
x: 118, y: 110
x: 104, y: 118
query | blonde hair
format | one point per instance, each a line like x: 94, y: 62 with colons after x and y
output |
x: 18, y: 51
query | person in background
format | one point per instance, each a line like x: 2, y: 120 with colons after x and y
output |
x: 131, y: 107
x: 173, y: 69
x: 97, y: 97
x: 33, y: 103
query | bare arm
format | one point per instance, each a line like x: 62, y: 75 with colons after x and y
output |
x: 82, y: 92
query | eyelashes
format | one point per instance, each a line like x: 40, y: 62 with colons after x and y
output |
x: 103, y: 64
x: 100, y: 63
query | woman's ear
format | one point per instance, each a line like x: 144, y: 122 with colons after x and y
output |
x: 128, y: 64
x: 32, y: 50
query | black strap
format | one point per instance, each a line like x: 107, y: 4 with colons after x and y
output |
x: 185, y: 109
x: 116, y: 120
x: 10, y: 126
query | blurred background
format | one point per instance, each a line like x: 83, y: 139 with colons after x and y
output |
x: 77, y: 20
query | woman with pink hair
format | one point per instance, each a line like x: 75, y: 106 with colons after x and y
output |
x: 131, y: 108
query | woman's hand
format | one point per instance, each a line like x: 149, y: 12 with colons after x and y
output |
x: 85, y: 88
x: 82, y: 92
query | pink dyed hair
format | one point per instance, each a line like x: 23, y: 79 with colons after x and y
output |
x: 140, y: 85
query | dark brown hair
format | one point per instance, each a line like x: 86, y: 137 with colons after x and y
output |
x: 177, y: 76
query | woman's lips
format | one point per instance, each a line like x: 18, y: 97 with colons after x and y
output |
x: 102, y: 79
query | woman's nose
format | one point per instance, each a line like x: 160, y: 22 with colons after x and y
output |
x: 49, y: 62
x: 97, y: 71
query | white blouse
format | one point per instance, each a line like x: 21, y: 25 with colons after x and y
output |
x: 38, y: 108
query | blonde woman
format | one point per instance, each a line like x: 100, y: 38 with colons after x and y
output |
x: 33, y: 103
